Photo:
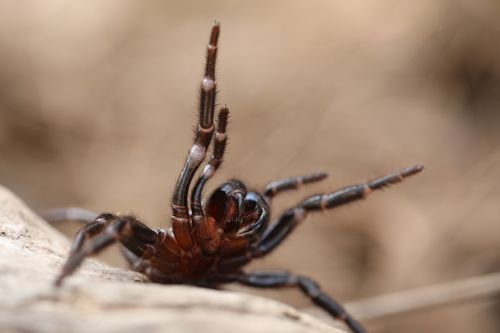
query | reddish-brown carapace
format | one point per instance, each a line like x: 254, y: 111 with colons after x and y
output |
x: 211, y: 240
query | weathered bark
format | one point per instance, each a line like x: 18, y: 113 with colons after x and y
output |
x: 103, y: 299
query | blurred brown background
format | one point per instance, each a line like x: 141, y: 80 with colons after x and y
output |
x: 97, y: 107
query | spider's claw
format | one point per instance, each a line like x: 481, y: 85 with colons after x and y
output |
x: 61, y: 277
x: 59, y: 280
x: 74, y: 260
x: 240, y: 200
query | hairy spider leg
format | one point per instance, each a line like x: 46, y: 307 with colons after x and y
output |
x: 160, y: 263
x: 282, y: 227
x: 309, y: 287
x: 131, y: 248
x: 181, y: 223
x: 107, y: 230
x: 219, y: 147
x: 89, y: 230
x: 291, y: 183
x: 286, y: 223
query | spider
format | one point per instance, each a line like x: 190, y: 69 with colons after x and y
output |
x: 210, y: 241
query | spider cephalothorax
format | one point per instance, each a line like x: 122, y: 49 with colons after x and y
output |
x: 209, y: 243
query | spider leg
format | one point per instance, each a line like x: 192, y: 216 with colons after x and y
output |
x: 159, y: 273
x: 90, y: 230
x: 159, y: 261
x: 277, y: 231
x: 291, y: 183
x: 68, y: 214
x: 143, y: 258
x: 219, y: 146
x: 180, y: 212
x: 309, y: 287
x: 282, y: 227
x: 106, y: 230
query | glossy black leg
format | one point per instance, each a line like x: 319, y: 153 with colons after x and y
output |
x: 283, y: 226
x: 105, y: 231
x: 308, y: 287
x: 291, y: 183
x: 181, y: 220
x: 219, y: 147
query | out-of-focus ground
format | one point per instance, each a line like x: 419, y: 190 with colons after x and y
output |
x: 98, y: 100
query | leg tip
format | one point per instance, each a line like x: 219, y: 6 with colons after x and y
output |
x: 58, y: 281
x: 414, y: 169
x: 214, y: 35
x: 419, y: 167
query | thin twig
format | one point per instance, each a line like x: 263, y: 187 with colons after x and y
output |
x: 426, y: 297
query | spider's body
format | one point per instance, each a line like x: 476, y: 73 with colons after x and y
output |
x: 209, y: 243
x: 233, y: 223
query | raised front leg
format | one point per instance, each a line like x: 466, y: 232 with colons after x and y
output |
x: 181, y: 223
x: 219, y: 147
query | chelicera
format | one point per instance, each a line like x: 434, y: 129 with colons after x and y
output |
x: 211, y: 241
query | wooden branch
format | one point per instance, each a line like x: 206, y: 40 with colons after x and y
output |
x: 449, y: 293
x: 99, y: 298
